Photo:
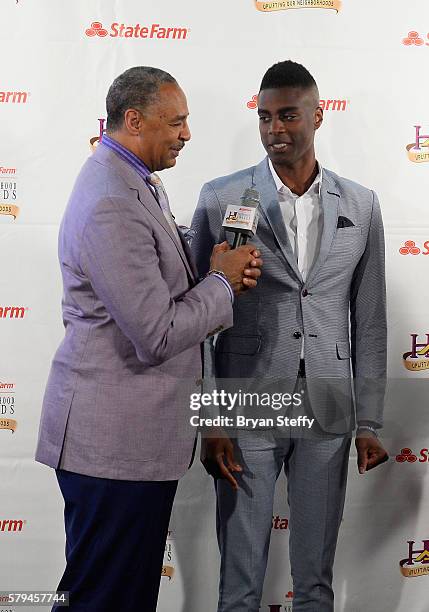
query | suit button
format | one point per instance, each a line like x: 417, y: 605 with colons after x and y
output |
x: 297, y: 335
x: 304, y: 293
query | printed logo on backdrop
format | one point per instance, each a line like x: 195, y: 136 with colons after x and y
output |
x: 410, y: 248
x: 14, y: 97
x: 95, y: 140
x: 414, y: 39
x: 284, y: 5
x: 325, y: 105
x: 122, y: 30
x: 286, y: 606
x: 280, y: 523
x: 168, y: 564
x: 407, y: 456
x: 13, y: 312
x: 12, y: 525
x: 418, y: 151
x: 7, y: 406
x: 417, y: 360
x: 8, y: 192
x: 417, y: 562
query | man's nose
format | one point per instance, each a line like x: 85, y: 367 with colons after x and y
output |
x: 276, y: 126
x: 185, y: 134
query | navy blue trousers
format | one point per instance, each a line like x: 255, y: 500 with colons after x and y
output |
x: 115, y: 540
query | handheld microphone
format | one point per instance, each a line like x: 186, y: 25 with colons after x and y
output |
x: 242, y: 219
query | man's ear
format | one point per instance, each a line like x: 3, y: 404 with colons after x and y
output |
x: 318, y: 118
x: 133, y: 121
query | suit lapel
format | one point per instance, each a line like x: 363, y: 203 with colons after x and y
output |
x: 151, y: 204
x: 144, y: 194
x: 270, y: 206
x: 329, y: 201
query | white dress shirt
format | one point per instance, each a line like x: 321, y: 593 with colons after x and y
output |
x: 303, y: 219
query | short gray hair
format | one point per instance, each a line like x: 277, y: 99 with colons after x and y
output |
x: 135, y: 88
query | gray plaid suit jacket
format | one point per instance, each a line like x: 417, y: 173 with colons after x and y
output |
x: 117, y: 400
x: 340, y: 309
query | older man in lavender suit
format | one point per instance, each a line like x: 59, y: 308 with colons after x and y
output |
x: 115, y: 421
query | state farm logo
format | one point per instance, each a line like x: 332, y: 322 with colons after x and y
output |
x: 96, y: 29
x: 7, y: 386
x: 325, y: 105
x: 14, y: 97
x: 121, y: 30
x: 13, y: 312
x: 418, y: 151
x: 285, y: 5
x: 414, y: 38
x: 8, y: 525
x: 417, y: 562
x: 7, y: 406
x: 410, y: 248
x: 407, y: 456
x: 279, y: 523
x: 417, y: 359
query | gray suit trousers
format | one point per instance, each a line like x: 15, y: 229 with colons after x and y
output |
x: 316, y: 469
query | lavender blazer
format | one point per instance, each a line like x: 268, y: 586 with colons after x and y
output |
x: 117, y: 400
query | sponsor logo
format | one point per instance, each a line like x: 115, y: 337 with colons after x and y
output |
x: 13, y: 312
x: 414, y: 38
x: 168, y: 564
x: 121, y: 30
x: 407, y: 456
x: 410, y: 248
x: 8, y: 192
x: 325, y: 105
x: 14, y: 97
x: 417, y: 562
x: 7, y: 525
x: 286, y: 606
x: 279, y: 523
x: 284, y: 5
x: 417, y: 359
x: 7, y: 406
x: 95, y: 140
x: 418, y: 151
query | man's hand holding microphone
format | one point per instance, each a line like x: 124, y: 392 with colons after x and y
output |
x: 241, y: 265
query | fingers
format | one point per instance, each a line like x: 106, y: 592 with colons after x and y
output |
x: 370, y: 453
x: 362, y: 461
x: 225, y: 472
x: 376, y: 458
x: 230, y: 460
x: 223, y: 247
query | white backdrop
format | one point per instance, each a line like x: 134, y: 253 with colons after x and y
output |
x: 53, y: 82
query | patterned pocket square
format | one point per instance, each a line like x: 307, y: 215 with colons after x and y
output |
x: 344, y: 222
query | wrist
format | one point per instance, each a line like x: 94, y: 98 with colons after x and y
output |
x: 366, y: 429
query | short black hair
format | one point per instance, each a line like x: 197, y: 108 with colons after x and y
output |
x: 135, y: 88
x: 287, y: 74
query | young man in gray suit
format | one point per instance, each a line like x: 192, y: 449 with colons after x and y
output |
x: 317, y: 318
x: 115, y: 421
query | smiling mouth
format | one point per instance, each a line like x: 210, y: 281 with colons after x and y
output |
x: 281, y: 146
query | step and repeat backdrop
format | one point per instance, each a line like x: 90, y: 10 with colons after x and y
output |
x: 370, y: 59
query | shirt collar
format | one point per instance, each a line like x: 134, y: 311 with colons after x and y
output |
x: 315, y: 186
x: 126, y: 155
